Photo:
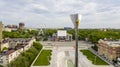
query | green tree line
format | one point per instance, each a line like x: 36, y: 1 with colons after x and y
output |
x: 20, y: 34
x: 94, y: 35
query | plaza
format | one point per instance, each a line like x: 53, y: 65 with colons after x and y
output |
x: 63, y: 54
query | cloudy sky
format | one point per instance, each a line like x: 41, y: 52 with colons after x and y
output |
x: 56, y: 13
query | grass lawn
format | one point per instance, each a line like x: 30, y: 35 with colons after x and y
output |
x: 92, y: 57
x: 44, y: 58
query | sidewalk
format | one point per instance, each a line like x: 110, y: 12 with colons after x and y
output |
x: 32, y: 65
x: 36, y: 59
x: 52, y: 61
x: 94, y: 52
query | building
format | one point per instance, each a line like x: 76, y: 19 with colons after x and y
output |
x: 8, y: 57
x: 1, y: 42
x: 109, y: 49
x: 7, y: 29
x: 61, y: 35
x: 4, y: 44
x: 21, y: 26
x: 67, y: 28
x: 10, y: 28
x: 1, y: 26
x: 15, y: 50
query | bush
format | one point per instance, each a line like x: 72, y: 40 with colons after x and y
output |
x: 29, y: 55
x: 33, y: 50
x: 37, y: 45
x: 45, y: 39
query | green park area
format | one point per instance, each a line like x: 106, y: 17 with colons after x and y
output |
x: 44, y: 58
x: 95, y: 59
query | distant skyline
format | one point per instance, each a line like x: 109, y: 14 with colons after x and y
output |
x: 56, y: 13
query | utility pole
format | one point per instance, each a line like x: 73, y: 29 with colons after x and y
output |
x: 76, y: 18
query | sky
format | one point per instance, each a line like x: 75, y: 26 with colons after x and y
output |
x: 56, y: 13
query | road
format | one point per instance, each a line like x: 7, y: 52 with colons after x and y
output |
x: 81, y: 44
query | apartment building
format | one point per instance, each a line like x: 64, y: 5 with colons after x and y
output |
x: 109, y: 49
x: 4, y: 44
x: 10, y: 28
x: 13, y: 53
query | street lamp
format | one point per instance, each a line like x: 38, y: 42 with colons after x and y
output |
x: 76, y: 18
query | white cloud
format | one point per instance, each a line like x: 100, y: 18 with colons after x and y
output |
x: 55, y: 13
x: 39, y: 6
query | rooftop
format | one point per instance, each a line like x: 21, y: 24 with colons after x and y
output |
x: 114, y: 43
x: 9, y: 52
x: 22, y: 43
x: 111, y: 43
x: 4, y: 41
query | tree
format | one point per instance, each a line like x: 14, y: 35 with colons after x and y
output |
x: 26, y: 58
x: 37, y: 45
